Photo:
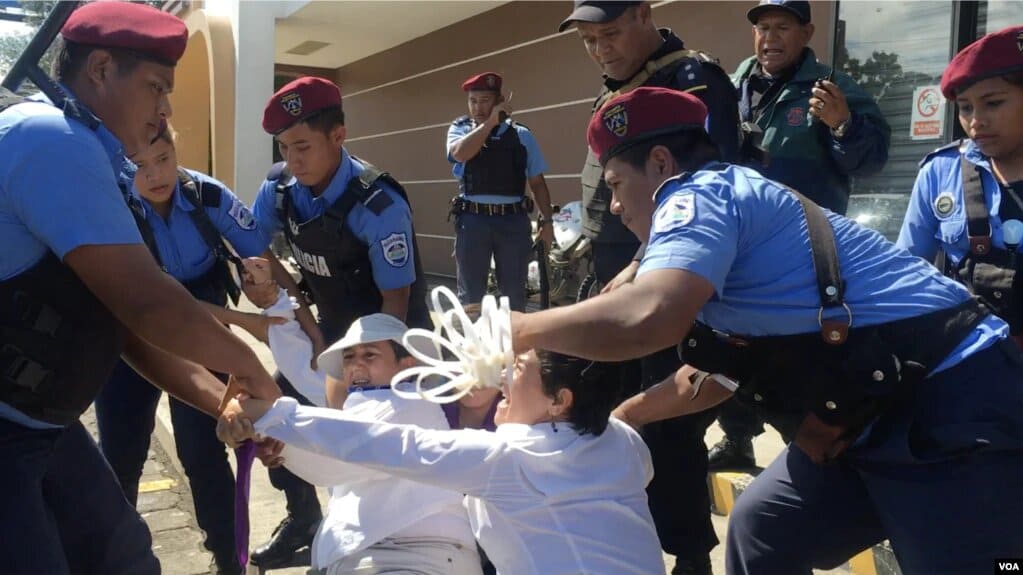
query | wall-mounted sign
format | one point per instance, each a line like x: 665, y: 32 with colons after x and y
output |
x: 928, y: 120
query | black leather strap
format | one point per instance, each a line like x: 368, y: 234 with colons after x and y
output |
x: 977, y: 224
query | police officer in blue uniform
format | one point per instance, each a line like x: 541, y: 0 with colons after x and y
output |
x: 350, y: 229
x: 967, y: 203
x: 801, y: 311
x: 78, y: 287
x: 623, y: 39
x: 185, y: 216
x: 493, y: 158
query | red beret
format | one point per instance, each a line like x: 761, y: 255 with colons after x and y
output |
x: 486, y: 81
x: 128, y: 26
x: 639, y: 115
x: 297, y: 101
x: 996, y: 54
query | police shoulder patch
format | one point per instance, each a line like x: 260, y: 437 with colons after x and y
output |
x: 679, y: 210
x: 944, y: 205
x: 395, y: 249
x: 242, y: 215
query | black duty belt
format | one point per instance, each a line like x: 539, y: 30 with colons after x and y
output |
x: 463, y: 206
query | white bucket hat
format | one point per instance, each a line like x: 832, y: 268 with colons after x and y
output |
x: 367, y: 329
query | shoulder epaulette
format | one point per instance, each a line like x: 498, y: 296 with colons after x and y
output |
x: 953, y: 145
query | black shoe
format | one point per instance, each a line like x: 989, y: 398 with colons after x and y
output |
x: 731, y: 454
x: 289, y: 537
x: 700, y: 566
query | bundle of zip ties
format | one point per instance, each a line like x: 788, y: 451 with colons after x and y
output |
x: 478, y: 354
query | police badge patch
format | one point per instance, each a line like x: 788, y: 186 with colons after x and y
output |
x: 395, y: 248
x: 242, y: 215
x: 616, y: 120
x: 676, y: 212
x: 944, y: 205
x: 292, y: 103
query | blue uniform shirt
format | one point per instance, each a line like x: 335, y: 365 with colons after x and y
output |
x: 58, y: 191
x: 183, y: 252
x: 936, y: 217
x: 375, y: 230
x: 535, y: 164
x: 58, y: 187
x: 747, y: 236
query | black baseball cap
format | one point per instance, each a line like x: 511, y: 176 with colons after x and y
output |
x: 596, y: 12
x: 798, y: 8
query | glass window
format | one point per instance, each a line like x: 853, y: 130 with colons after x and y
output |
x: 994, y: 15
x: 890, y: 49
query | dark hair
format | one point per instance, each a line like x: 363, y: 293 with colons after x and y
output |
x: 400, y: 352
x: 72, y: 56
x: 595, y: 389
x: 690, y: 148
x: 326, y: 120
x: 1015, y: 78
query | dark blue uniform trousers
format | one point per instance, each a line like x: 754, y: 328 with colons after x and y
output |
x: 506, y: 239
x: 61, y: 510
x: 126, y: 413
x: 941, y: 477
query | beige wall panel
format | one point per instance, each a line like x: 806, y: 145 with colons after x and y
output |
x: 497, y: 29
x: 436, y: 255
x: 417, y: 155
x: 420, y: 155
x: 528, y: 72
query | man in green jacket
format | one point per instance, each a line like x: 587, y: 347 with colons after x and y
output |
x: 807, y: 126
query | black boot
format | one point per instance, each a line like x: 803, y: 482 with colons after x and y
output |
x: 731, y: 453
x: 291, y: 535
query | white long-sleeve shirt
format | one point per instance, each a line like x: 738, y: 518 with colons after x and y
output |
x: 541, y: 502
x: 366, y: 505
x: 293, y: 351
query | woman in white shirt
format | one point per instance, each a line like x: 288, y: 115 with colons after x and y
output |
x: 558, y: 489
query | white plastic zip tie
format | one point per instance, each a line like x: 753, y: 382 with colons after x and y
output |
x: 482, y: 351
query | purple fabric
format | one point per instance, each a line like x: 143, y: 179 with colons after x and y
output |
x: 451, y: 412
x: 244, y: 454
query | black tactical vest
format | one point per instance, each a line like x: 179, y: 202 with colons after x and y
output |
x: 216, y: 285
x: 598, y: 221
x: 334, y: 262
x: 59, y: 344
x: 993, y: 274
x: 499, y: 168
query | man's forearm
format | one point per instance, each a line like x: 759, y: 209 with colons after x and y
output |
x: 158, y: 309
x: 395, y: 302
x: 185, y: 380
x: 466, y: 149
x: 182, y: 328
x: 606, y: 328
x: 637, y: 319
x: 542, y: 195
x: 672, y: 397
